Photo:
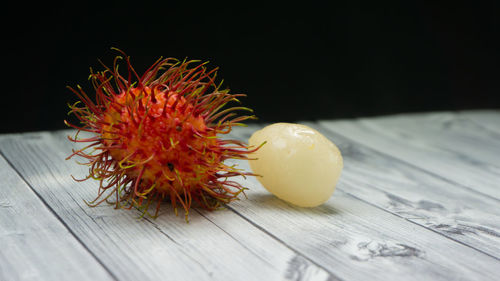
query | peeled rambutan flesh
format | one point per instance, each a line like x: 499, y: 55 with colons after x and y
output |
x: 157, y: 136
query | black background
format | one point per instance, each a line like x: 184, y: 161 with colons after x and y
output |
x: 294, y: 62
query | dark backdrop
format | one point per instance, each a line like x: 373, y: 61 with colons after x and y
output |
x: 294, y: 62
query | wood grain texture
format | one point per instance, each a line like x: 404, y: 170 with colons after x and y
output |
x: 418, y: 196
x: 422, y: 151
x: 34, y: 244
x: 355, y: 239
x: 390, y: 218
x: 450, y: 132
x: 488, y: 119
x: 165, y: 248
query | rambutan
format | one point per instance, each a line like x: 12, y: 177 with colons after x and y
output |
x: 157, y: 136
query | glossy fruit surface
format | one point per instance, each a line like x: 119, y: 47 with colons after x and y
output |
x: 298, y: 164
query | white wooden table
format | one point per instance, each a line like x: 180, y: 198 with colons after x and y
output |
x: 418, y: 199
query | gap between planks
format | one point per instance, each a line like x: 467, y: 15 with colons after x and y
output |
x: 269, y: 226
x: 244, y: 208
x: 35, y: 237
x: 273, y: 259
x: 383, y: 134
x: 470, y: 217
x: 417, y: 218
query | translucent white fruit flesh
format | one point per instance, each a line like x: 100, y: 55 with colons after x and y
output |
x: 298, y: 164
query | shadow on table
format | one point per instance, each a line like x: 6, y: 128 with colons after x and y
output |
x: 270, y: 202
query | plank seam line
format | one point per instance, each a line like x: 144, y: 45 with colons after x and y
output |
x: 409, y: 164
x: 237, y: 241
x: 420, y: 169
x: 370, y: 126
x: 159, y: 229
x: 58, y: 217
x: 332, y: 275
x: 424, y: 227
x: 176, y: 243
x: 486, y: 128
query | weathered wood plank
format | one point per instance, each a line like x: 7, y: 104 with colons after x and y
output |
x: 350, y: 238
x: 33, y: 240
x: 488, y: 119
x: 447, y: 131
x: 457, y: 167
x: 355, y: 239
x: 418, y: 196
x: 218, y: 246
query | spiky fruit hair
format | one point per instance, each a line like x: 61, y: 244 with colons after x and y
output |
x: 157, y: 136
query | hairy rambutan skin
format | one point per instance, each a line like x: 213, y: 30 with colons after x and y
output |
x: 157, y: 136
